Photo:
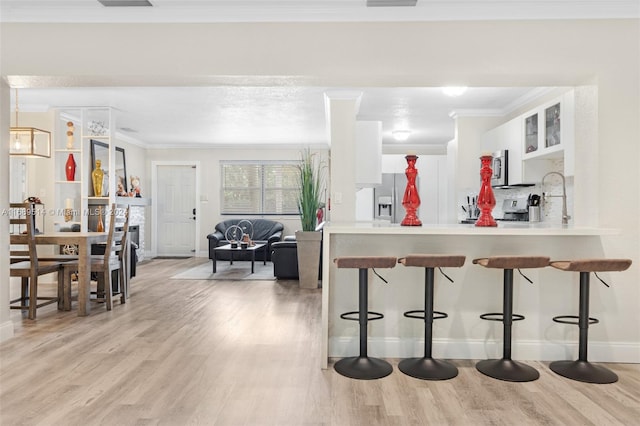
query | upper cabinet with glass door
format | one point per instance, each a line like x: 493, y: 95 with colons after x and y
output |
x: 548, y: 130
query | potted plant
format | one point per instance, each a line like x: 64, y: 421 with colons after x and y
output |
x: 309, y: 201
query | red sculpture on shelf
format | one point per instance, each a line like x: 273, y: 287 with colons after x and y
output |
x: 70, y: 168
x: 411, y: 199
x: 486, y: 199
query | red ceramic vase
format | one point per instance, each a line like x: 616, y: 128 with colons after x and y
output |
x: 411, y: 199
x: 486, y: 199
x: 70, y: 168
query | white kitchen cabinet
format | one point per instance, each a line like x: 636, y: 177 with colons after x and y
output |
x: 507, y: 136
x: 548, y: 129
x: 512, y: 137
x: 548, y: 134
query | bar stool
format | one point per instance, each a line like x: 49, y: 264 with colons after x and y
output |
x: 506, y: 368
x: 363, y: 366
x: 581, y: 369
x: 426, y: 367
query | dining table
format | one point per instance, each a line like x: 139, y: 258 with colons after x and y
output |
x: 83, y: 240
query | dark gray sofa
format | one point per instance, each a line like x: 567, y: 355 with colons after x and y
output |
x: 284, y: 255
x: 264, y: 231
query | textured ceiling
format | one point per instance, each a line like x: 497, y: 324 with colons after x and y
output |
x: 193, y: 116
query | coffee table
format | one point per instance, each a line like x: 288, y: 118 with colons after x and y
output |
x: 232, y: 250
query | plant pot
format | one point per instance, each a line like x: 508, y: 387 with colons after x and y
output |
x: 308, y: 247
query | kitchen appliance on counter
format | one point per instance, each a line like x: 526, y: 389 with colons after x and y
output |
x: 387, y: 197
x: 534, y: 208
x: 516, y: 209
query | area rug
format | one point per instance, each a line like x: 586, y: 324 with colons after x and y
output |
x: 240, y: 270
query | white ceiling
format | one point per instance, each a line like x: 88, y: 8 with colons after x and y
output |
x: 201, y: 116
x: 284, y: 115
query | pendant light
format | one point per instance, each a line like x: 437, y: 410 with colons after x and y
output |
x: 28, y: 141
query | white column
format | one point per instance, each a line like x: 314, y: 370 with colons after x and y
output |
x: 466, y: 151
x: 341, y: 109
x: 6, y: 326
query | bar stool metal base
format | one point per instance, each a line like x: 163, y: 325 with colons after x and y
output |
x: 584, y: 371
x: 364, y: 368
x: 428, y: 368
x: 508, y: 370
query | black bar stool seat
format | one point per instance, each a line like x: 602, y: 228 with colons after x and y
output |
x: 363, y: 366
x: 426, y: 367
x: 581, y: 369
x: 506, y: 368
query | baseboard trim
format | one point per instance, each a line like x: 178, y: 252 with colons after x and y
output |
x: 623, y: 352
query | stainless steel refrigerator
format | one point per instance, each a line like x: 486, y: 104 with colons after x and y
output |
x: 387, y: 197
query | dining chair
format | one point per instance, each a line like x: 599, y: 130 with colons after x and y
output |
x: 23, y: 245
x: 123, y: 255
x: 113, y: 259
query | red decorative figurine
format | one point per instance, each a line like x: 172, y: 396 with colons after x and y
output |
x: 70, y: 168
x: 411, y: 199
x: 486, y: 199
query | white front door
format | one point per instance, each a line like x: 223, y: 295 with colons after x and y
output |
x: 176, y: 203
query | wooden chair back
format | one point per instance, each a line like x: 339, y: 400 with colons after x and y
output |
x: 123, y: 253
x: 23, y: 215
x: 117, y: 231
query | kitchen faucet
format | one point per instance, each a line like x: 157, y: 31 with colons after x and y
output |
x: 545, y: 195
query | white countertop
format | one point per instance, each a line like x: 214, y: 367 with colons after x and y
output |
x: 503, y: 228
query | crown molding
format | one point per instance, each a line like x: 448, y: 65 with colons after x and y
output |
x: 181, y: 11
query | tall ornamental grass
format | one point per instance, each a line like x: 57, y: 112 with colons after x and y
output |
x: 311, y: 181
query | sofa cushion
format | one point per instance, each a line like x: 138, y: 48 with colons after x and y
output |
x: 262, y: 228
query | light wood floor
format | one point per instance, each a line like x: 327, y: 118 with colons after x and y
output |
x: 189, y: 352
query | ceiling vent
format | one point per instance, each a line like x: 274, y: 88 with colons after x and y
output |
x: 390, y: 3
x: 125, y: 3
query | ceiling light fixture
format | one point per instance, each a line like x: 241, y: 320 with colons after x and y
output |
x: 454, y: 91
x: 401, y: 135
x: 28, y: 141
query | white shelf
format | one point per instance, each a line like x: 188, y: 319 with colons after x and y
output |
x: 556, y: 151
x: 86, y: 121
x: 105, y: 137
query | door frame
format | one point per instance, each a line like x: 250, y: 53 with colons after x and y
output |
x: 154, y: 196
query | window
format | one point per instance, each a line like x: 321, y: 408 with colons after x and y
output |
x: 259, y: 187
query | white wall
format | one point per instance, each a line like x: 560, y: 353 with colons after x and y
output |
x: 6, y: 326
x: 501, y: 53
x: 209, y: 204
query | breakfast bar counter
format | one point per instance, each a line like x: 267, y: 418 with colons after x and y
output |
x: 476, y: 290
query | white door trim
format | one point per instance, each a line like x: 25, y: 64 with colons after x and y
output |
x: 154, y: 196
